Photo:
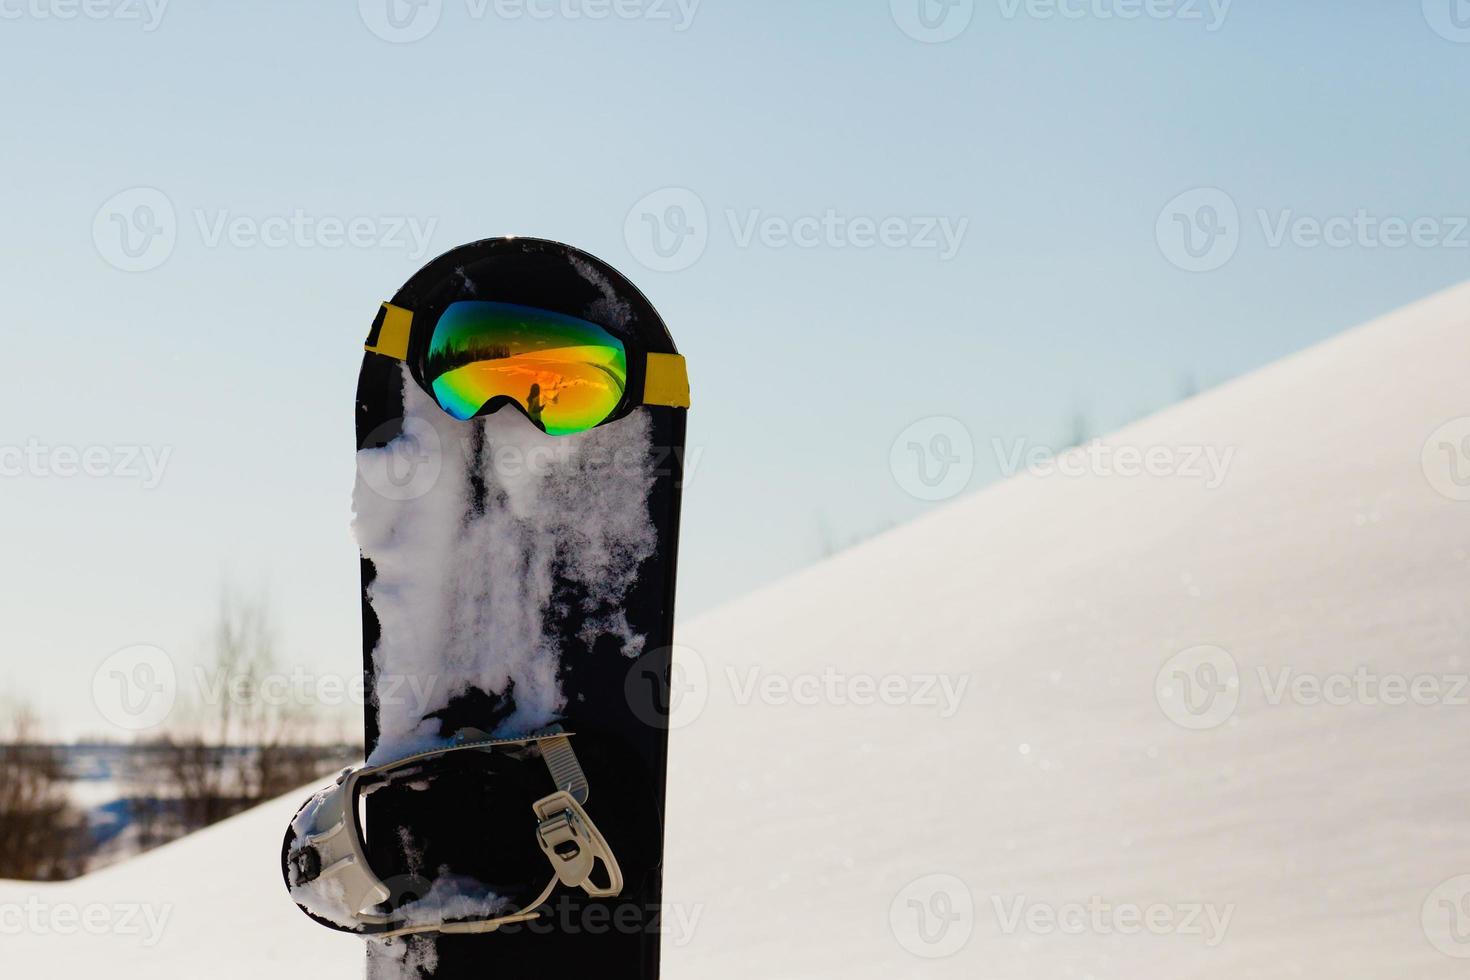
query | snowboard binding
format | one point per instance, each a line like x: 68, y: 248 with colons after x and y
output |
x: 328, y: 872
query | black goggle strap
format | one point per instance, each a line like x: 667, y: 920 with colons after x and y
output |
x: 665, y: 376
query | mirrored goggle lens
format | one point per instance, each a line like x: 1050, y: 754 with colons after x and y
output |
x: 567, y: 374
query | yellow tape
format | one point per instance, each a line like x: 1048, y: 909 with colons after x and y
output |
x: 391, y: 337
x: 667, y: 381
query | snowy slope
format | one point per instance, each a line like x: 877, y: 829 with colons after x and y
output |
x: 1062, y: 779
x: 210, y: 905
x: 1033, y: 765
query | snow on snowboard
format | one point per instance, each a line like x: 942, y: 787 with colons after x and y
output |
x: 520, y: 421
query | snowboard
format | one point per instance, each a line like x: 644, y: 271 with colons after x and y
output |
x: 514, y: 580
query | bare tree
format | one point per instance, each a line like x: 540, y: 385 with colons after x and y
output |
x: 201, y: 760
x: 42, y: 836
x: 149, y: 802
x: 289, y: 751
x: 246, y: 740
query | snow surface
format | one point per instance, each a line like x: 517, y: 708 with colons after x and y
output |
x: 1038, y: 767
x: 210, y: 905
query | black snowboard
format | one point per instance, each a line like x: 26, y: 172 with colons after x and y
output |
x: 532, y: 604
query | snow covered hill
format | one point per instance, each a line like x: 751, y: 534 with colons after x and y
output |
x: 1098, y: 725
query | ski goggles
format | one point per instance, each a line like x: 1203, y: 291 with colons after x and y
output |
x: 328, y: 872
x: 564, y: 373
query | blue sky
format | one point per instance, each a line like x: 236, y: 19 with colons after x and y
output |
x: 876, y: 231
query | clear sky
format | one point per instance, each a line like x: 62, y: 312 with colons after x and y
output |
x: 851, y: 224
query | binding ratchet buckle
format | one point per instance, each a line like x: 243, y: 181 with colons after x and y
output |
x: 326, y: 842
x: 573, y: 846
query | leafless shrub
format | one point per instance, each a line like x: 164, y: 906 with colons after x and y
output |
x: 238, y: 747
x: 42, y: 837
